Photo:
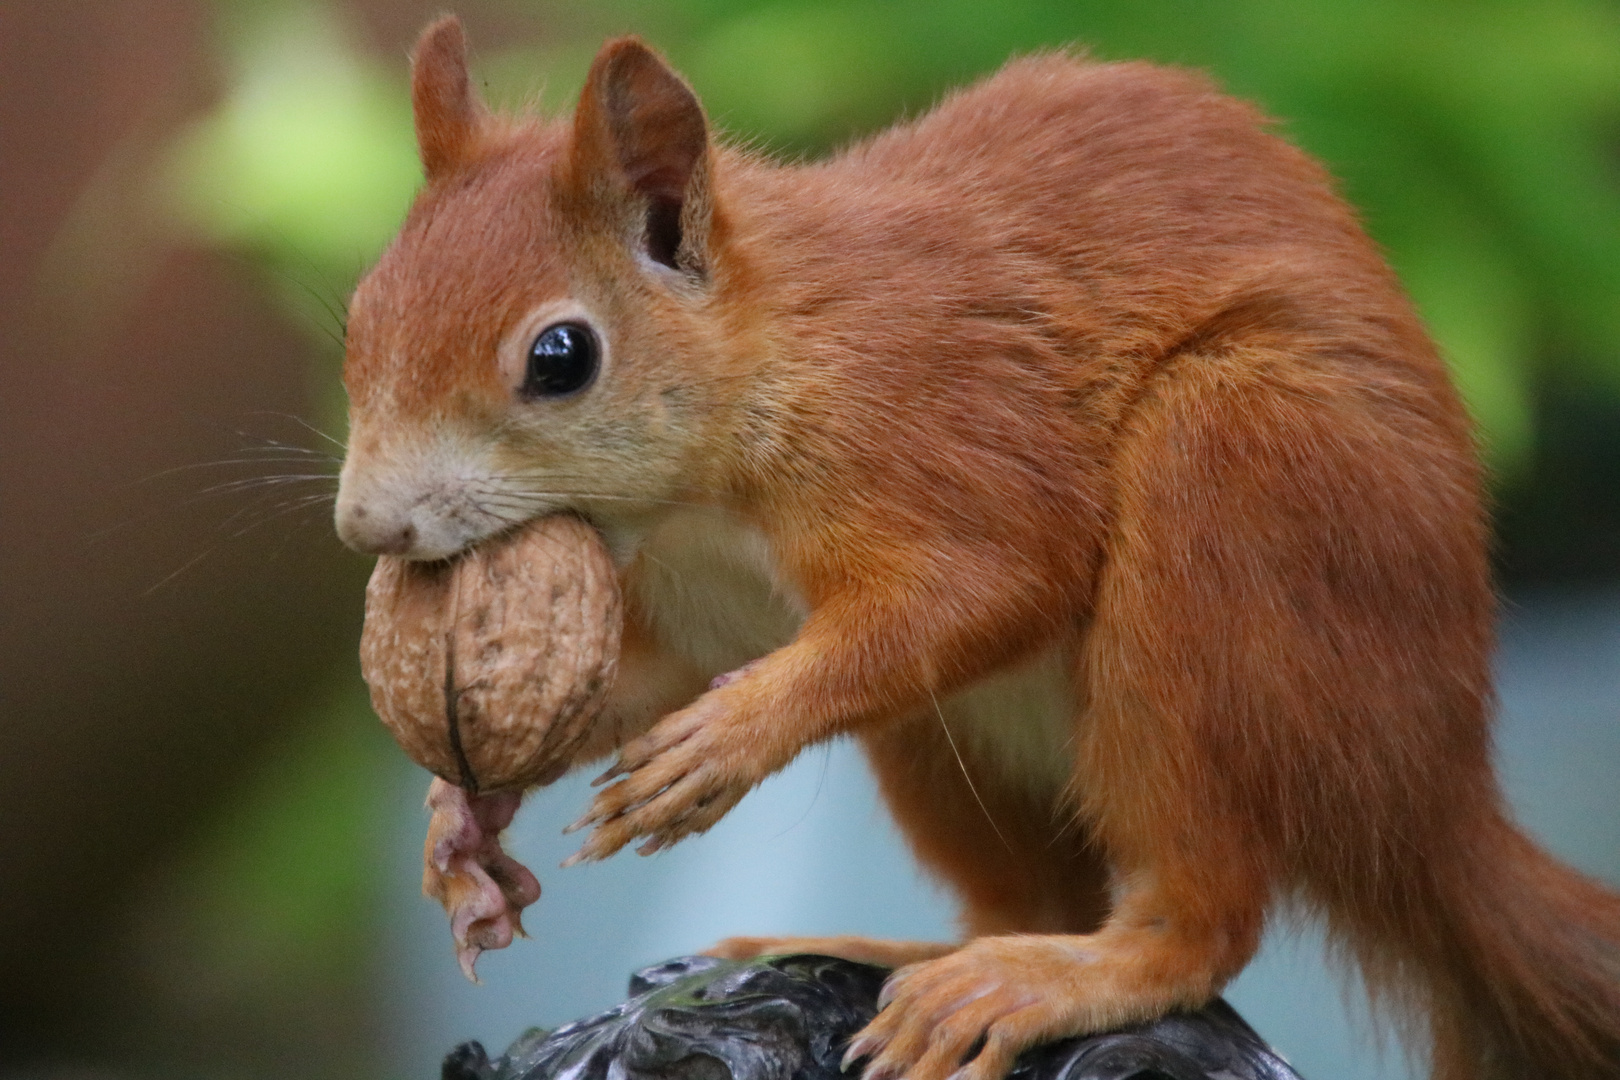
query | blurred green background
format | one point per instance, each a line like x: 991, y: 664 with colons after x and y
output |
x: 191, y: 808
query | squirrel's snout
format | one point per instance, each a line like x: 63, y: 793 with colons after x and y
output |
x: 371, y: 533
x: 412, y: 502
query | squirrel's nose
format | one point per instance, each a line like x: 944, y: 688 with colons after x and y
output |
x: 371, y: 533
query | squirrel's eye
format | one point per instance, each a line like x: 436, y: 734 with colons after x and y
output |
x: 562, y: 360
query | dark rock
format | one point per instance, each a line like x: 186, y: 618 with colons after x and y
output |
x: 789, y: 1017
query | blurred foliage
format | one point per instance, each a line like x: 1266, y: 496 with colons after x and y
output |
x: 1478, y: 138
x: 310, y: 151
x: 258, y: 942
x: 277, y: 872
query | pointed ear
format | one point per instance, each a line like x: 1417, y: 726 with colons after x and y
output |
x: 447, y: 110
x: 639, y: 126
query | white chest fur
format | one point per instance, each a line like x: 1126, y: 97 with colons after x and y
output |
x: 1020, y: 720
x: 714, y: 592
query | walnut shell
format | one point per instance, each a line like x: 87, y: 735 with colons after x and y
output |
x: 491, y: 669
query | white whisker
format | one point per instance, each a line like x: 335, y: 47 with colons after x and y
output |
x: 220, y: 464
x: 193, y: 561
x: 279, y: 510
x: 307, y: 426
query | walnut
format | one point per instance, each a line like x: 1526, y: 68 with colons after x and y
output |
x: 490, y: 669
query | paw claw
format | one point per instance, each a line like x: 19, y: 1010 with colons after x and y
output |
x: 882, y: 1069
x: 861, y: 1047
x: 886, y: 996
x: 616, y: 769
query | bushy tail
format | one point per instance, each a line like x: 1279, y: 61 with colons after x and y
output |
x: 1514, y: 957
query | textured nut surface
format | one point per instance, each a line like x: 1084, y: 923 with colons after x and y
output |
x: 490, y: 669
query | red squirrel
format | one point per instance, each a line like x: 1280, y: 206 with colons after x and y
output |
x: 1069, y: 446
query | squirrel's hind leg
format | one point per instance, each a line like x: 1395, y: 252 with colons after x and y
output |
x: 844, y: 946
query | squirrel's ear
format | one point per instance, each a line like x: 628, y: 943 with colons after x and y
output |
x: 640, y: 126
x: 447, y: 111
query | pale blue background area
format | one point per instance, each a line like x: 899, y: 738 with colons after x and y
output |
x: 812, y: 852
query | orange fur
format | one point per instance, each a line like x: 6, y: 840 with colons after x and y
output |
x: 1070, y: 445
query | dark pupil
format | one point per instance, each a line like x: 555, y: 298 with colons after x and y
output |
x: 561, y: 360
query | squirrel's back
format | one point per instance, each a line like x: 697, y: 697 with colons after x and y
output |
x: 1133, y: 209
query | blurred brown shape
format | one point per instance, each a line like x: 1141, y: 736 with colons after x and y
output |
x: 132, y: 704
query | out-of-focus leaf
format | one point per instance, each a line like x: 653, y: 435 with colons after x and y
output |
x: 543, y: 81
x: 1477, y: 310
x: 802, y: 76
x: 310, y: 157
x: 282, y: 871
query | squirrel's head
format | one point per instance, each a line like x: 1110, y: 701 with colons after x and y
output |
x: 525, y: 344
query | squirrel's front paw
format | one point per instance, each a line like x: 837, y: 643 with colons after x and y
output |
x: 483, y: 889
x: 678, y: 779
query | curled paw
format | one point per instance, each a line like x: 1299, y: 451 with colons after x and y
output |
x: 675, y: 781
x: 483, y: 889
x: 969, y: 1014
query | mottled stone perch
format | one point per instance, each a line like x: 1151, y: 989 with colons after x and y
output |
x: 788, y: 1018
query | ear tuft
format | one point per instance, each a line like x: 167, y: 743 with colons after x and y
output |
x: 447, y: 111
x: 639, y: 120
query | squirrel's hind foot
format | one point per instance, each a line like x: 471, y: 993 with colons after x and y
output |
x: 483, y: 889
